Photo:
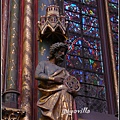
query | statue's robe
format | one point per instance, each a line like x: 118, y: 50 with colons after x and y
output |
x: 55, y: 102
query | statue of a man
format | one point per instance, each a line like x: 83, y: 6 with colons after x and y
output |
x: 56, y: 101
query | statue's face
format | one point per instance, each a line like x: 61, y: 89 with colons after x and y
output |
x: 59, y: 56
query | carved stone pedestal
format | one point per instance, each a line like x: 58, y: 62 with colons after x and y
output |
x: 12, y: 113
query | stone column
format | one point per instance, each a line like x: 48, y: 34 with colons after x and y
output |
x: 5, y: 13
x: 11, y: 86
x: 27, y: 64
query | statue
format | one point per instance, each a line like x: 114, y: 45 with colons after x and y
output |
x: 56, y: 86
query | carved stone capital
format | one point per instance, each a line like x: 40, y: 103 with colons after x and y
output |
x: 12, y: 113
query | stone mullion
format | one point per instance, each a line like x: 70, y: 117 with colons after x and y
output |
x: 108, y: 68
x: 5, y: 13
x: 112, y: 52
x: 27, y: 60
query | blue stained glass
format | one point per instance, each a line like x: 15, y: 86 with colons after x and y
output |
x: 101, y: 92
x: 116, y: 58
x: 94, y: 79
x: 74, y: 61
x: 90, y: 21
x: 114, y: 27
x: 74, y: 27
x: 92, y: 53
x: 78, y: 41
x: 114, y: 1
x: 113, y: 6
x: 89, y: 2
x: 115, y: 37
x: 87, y: 30
x: 71, y: 7
x: 92, y: 43
x: 115, y: 48
x: 114, y: 18
x: 73, y: 16
x: 75, y: 50
x: 117, y: 68
x: 78, y: 74
x: 71, y: 39
x: 89, y: 11
x: 93, y: 65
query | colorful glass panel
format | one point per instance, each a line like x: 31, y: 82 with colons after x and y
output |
x: 73, y: 16
x: 71, y: 7
x: 75, y: 40
x: 113, y: 18
x: 71, y: 38
x: 89, y: 11
x: 74, y: 27
x: 79, y: 74
x: 89, y: 2
x: 115, y: 37
x: 84, y: 57
x: 91, y: 43
x: 114, y: 27
x: 74, y: 61
x: 90, y: 31
x: 92, y: 53
x: 115, y: 48
x: 113, y: 7
x: 76, y: 50
x: 116, y: 57
x: 114, y: 1
x: 93, y: 78
x: 93, y: 65
x: 90, y: 21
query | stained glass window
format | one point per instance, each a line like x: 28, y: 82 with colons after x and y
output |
x: 91, y: 31
x: 89, y: 2
x: 114, y: 1
x: 89, y: 11
x: 113, y: 8
x: 84, y: 57
x: 91, y: 21
x: 74, y: 27
x: 71, y: 7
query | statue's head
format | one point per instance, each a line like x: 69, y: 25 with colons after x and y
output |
x: 58, y: 51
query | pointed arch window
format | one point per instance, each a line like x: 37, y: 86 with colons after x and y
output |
x: 84, y: 58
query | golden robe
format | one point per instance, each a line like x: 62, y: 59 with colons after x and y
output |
x: 55, y: 102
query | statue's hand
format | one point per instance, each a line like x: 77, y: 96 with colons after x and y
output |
x: 59, y: 79
x: 71, y: 91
